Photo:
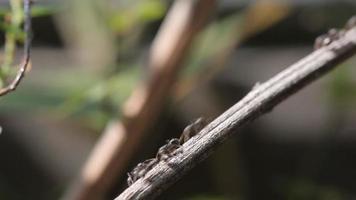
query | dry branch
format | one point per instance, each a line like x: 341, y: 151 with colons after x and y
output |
x: 261, y: 99
x: 27, y: 47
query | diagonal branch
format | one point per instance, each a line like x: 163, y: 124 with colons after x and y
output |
x: 27, y: 47
x: 263, y: 97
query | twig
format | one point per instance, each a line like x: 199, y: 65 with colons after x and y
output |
x: 260, y: 100
x: 27, y: 46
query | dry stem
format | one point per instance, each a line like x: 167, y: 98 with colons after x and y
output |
x: 260, y: 100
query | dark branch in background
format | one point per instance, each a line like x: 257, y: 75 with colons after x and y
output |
x: 333, y: 50
x: 27, y: 46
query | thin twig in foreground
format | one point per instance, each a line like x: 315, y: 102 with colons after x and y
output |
x: 260, y: 100
x: 27, y: 46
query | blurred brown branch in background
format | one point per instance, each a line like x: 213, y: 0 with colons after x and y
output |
x: 27, y: 47
x: 333, y: 48
x: 121, y: 139
x: 257, y: 17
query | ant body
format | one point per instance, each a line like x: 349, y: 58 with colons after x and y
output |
x: 170, y: 149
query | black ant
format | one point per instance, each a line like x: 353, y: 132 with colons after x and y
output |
x: 334, y: 34
x: 166, y: 151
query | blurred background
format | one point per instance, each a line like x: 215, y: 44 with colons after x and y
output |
x: 90, y: 59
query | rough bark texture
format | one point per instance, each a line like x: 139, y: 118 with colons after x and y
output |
x: 261, y: 99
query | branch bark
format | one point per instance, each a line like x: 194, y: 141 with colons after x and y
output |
x: 27, y: 47
x: 261, y: 99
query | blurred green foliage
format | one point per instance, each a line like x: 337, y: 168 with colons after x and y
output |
x: 13, y: 33
x: 134, y: 14
x: 103, y: 98
x: 342, y: 87
x: 96, y: 97
x: 127, y: 21
x: 206, y: 197
x: 223, y: 33
x: 308, y: 190
x: 99, y: 95
x: 12, y: 25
